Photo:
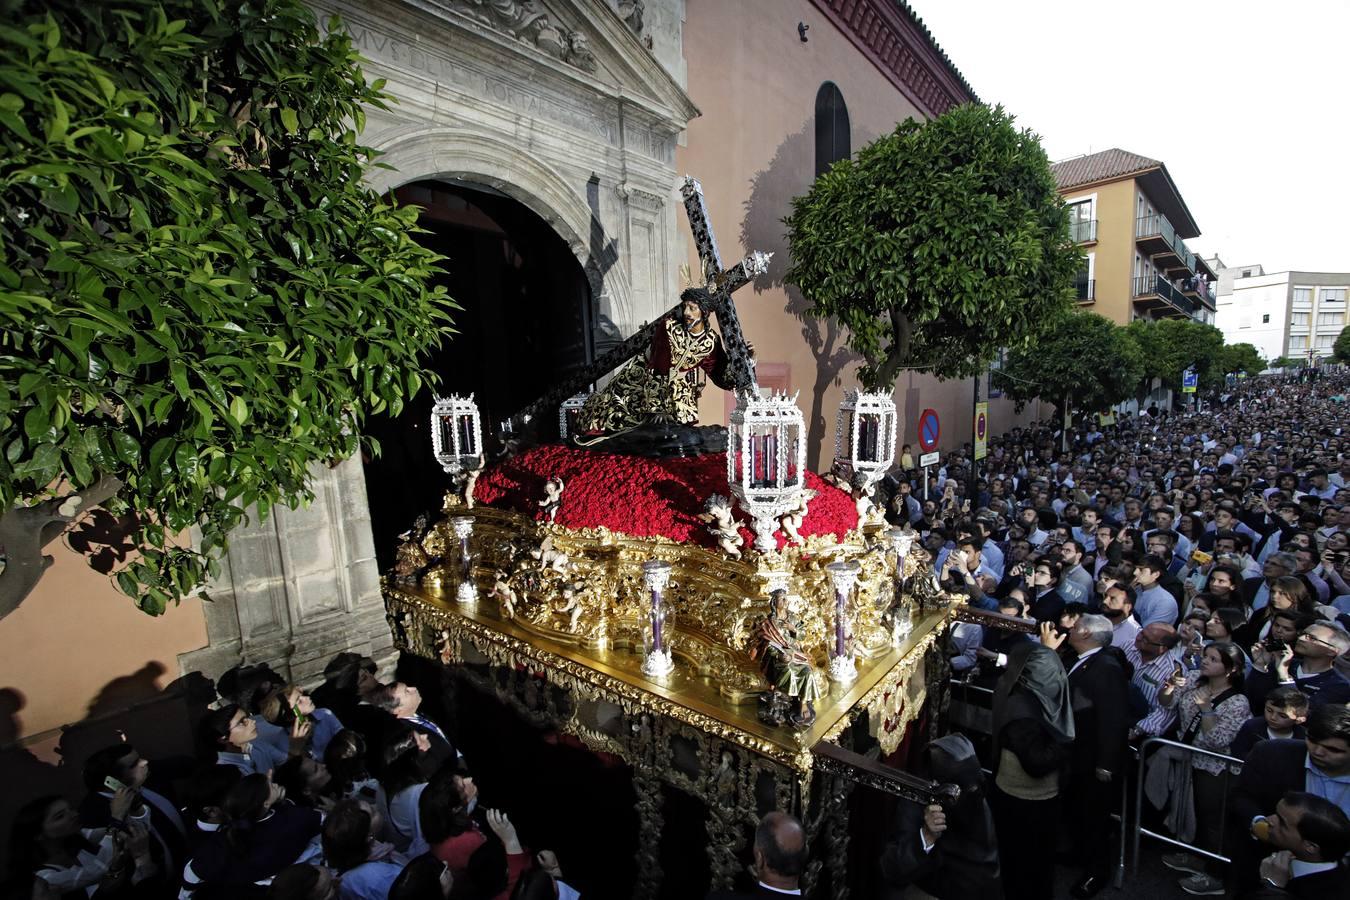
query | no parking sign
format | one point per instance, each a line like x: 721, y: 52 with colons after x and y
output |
x: 929, y: 430
x: 981, y: 430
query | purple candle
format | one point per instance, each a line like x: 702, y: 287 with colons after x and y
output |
x: 656, y: 575
x: 656, y: 620
x: 839, y: 598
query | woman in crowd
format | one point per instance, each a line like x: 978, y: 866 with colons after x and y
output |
x: 1033, y: 726
x: 306, y: 782
x: 1211, y: 709
x: 1286, y: 593
x: 425, y: 878
x: 261, y: 836
x: 401, y: 777
x: 474, y: 859
x: 303, y: 881
x: 288, y: 706
x: 46, y: 841
x: 345, y: 758
x: 1222, y: 623
x: 366, y: 869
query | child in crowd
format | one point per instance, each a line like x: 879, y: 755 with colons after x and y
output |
x: 1285, y: 712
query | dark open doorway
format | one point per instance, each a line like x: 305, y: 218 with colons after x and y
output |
x: 527, y: 320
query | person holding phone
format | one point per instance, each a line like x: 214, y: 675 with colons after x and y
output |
x: 1211, y: 710
x: 117, y: 774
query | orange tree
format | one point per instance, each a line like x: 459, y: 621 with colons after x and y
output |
x: 941, y: 243
x: 199, y: 298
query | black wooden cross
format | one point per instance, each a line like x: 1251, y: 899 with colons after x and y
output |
x: 721, y: 284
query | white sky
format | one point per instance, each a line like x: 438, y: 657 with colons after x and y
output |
x: 1247, y: 102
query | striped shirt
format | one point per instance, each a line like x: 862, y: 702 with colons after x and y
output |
x: 1150, y: 678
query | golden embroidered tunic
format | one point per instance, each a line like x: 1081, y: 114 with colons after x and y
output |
x: 660, y: 387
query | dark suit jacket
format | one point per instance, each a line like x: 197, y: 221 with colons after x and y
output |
x: 440, y: 752
x: 1101, y: 712
x: 1249, y: 588
x: 1318, y: 886
x: 1046, y: 608
x: 1272, y: 769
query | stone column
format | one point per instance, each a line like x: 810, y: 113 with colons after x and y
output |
x: 299, y: 587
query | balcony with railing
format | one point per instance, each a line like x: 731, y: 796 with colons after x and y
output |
x: 1156, y: 236
x: 1200, y: 290
x: 1085, y: 289
x: 1155, y: 294
x: 1084, y: 231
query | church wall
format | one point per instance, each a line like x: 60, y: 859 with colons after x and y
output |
x: 78, y: 646
x: 753, y: 150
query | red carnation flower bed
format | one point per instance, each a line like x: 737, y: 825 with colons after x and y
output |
x: 640, y: 496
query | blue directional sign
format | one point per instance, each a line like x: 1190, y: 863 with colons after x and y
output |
x: 1190, y: 380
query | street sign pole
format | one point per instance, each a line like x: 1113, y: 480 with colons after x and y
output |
x: 974, y: 461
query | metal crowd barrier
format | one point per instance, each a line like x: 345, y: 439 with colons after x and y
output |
x: 1140, y: 755
x: 1139, y: 829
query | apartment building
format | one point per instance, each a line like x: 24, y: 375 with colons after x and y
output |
x: 1294, y: 314
x: 1133, y: 223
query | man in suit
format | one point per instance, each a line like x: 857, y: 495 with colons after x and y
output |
x: 1099, y: 680
x: 403, y: 702
x: 1319, y: 765
x: 1311, y: 836
x: 780, y: 856
x: 121, y: 768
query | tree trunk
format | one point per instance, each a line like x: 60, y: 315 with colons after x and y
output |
x: 901, y: 337
x: 26, y: 530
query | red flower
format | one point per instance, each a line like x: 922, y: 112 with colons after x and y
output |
x: 640, y: 496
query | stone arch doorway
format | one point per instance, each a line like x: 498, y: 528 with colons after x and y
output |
x: 527, y: 319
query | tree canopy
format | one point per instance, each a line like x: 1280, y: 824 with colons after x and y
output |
x: 1340, y: 351
x: 1079, y: 361
x: 941, y: 243
x: 1169, y: 346
x: 1244, y: 357
x: 199, y: 298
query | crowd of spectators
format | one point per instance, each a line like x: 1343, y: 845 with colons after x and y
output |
x: 1187, y: 575
x: 345, y: 792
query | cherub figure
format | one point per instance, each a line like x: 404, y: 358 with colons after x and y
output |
x: 571, y: 594
x: 794, y: 518
x: 504, y: 594
x: 467, y: 480
x: 862, y: 497
x: 837, y: 477
x: 550, y: 558
x: 553, y: 490
x: 411, y: 559
x: 722, y: 525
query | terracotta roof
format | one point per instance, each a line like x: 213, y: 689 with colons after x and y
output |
x: 1116, y: 164
x: 1104, y: 166
x: 932, y: 42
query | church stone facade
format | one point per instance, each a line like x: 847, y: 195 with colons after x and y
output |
x: 569, y: 107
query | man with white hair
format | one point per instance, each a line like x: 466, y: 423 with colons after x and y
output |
x: 1099, y: 677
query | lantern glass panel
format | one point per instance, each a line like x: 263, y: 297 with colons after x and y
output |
x: 869, y: 435
x: 465, y: 445
x: 763, y: 457
x: 445, y: 425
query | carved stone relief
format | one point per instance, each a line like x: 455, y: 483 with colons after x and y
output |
x: 526, y: 20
